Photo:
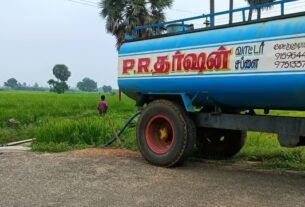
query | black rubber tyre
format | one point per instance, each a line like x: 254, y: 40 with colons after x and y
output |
x: 219, y: 143
x: 191, y: 140
x: 165, y: 133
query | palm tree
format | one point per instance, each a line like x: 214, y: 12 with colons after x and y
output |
x: 122, y: 16
x: 259, y: 10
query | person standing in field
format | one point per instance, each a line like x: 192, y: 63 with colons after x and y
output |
x: 102, y: 106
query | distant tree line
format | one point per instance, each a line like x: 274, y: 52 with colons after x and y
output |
x: 12, y: 83
x: 62, y: 74
x: 86, y: 85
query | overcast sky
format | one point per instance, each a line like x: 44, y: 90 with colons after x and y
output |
x: 37, y: 34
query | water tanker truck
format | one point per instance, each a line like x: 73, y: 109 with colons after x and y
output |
x: 201, y: 86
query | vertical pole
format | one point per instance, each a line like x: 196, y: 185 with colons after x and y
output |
x: 231, y: 13
x: 259, y: 13
x: 212, y: 11
x: 282, y: 9
x: 137, y: 33
x: 250, y: 15
x: 158, y: 30
x: 244, y: 16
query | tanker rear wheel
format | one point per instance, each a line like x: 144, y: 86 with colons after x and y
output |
x: 219, y: 143
x: 165, y: 133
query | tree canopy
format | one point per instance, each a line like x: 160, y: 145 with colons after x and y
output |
x: 12, y: 83
x: 256, y: 2
x: 122, y: 16
x: 62, y: 73
x: 58, y: 87
x: 87, y: 84
x: 107, y: 89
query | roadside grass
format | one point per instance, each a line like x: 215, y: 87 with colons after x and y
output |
x: 56, y: 147
x: 265, y: 148
x: 78, y: 133
x: 70, y: 134
x: 8, y: 135
x: 70, y: 121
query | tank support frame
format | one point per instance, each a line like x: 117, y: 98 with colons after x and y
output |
x: 290, y: 130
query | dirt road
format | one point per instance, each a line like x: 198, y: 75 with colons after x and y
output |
x: 122, y: 178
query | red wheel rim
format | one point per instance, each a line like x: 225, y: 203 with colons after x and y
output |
x: 160, y: 134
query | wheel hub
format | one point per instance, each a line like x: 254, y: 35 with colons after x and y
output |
x: 163, y: 134
x: 160, y: 134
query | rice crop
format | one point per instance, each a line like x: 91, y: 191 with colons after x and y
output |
x: 71, y: 121
x: 70, y: 118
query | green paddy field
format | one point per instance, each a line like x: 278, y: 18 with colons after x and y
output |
x: 70, y: 121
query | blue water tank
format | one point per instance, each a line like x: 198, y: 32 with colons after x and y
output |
x: 258, y: 65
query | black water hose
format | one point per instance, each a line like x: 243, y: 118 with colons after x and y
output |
x: 123, y: 129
